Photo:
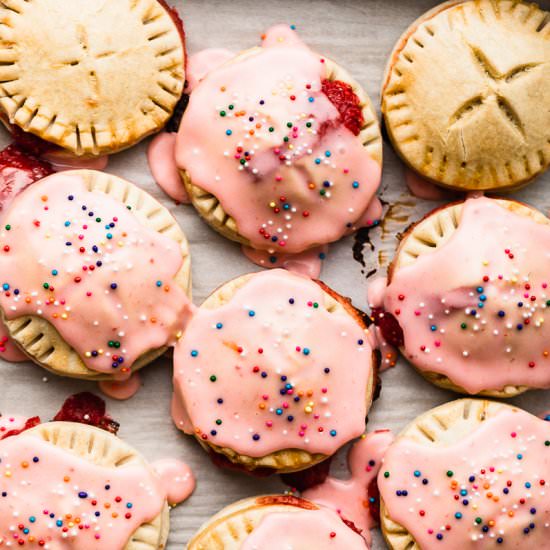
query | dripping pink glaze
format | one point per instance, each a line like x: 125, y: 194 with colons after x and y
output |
x: 9, y: 422
x: 134, y: 260
x: 202, y: 63
x: 277, y: 173
x: 490, y: 455
x: 177, y: 479
x: 123, y: 389
x: 61, y: 160
x: 307, y: 263
x: 162, y: 163
x: 375, y: 296
x: 350, y: 497
x: 8, y: 349
x: 41, y: 486
x: 303, y: 530
x: 272, y: 340
x: 479, y: 360
x: 424, y: 189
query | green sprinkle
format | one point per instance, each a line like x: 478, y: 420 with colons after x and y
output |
x: 547, y: 443
x: 478, y: 520
x: 243, y: 161
x: 272, y: 129
x: 315, y: 305
x: 289, y: 124
x: 322, y: 192
x: 231, y: 107
x: 222, y: 113
x: 285, y: 139
x: 98, y: 220
x: 463, y: 326
x: 308, y: 124
x: 8, y: 227
x: 46, y: 285
x: 450, y: 473
x: 386, y: 474
x: 213, y: 378
x: 218, y: 422
x: 128, y: 207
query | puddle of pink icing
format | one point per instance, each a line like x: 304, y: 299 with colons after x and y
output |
x: 177, y: 479
x: 320, y: 529
x: 291, y: 362
x: 474, y: 309
x: 372, y: 215
x: 350, y: 497
x: 488, y: 490
x: 162, y: 163
x: 123, y: 389
x: 82, y: 261
x: 8, y: 349
x: 64, y: 501
x: 63, y: 160
x: 291, y: 195
x: 203, y: 62
x: 307, y: 263
x: 424, y: 189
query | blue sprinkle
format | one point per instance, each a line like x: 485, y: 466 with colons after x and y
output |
x: 228, y: 132
x: 194, y: 353
x: 219, y: 326
x: 251, y: 313
x: 333, y: 433
x: 159, y: 283
x: 355, y: 184
x: 417, y: 473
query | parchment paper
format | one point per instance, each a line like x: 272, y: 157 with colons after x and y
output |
x: 359, y: 35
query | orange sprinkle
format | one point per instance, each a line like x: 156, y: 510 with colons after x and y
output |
x: 44, y: 198
x: 24, y: 464
x: 66, y: 479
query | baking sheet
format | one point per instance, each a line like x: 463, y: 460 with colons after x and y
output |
x: 359, y: 35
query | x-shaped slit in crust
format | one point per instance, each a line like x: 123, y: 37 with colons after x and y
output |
x: 492, y: 74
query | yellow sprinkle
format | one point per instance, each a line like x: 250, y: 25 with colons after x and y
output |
x: 64, y: 316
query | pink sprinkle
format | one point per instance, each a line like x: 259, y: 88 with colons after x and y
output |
x: 324, y: 390
x: 417, y: 313
x: 269, y: 423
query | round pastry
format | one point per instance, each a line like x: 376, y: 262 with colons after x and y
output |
x: 465, y: 94
x: 95, y: 275
x: 75, y: 486
x: 468, y: 474
x: 274, y: 373
x: 467, y: 295
x: 274, y: 522
x: 280, y: 149
x: 90, y: 79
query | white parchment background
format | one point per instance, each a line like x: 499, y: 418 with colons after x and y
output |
x: 359, y: 35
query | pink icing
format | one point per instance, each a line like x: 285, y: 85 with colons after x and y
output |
x: 162, y: 163
x: 121, y: 389
x: 305, y: 529
x: 11, y: 422
x: 290, y: 361
x: 110, y: 293
x: 424, y: 189
x: 46, y: 483
x: 8, y: 349
x: 203, y: 62
x: 285, y: 196
x: 474, y: 309
x: 176, y: 478
x: 350, y: 497
x: 61, y: 160
x: 489, y: 488
x: 307, y: 263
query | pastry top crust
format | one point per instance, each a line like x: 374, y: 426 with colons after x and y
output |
x: 93, y: 78
x: 464, y: 96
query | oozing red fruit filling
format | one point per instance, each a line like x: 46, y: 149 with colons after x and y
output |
x: 87, y: 408
x: 306, y: 479
x: 373, y: 496
x: 18, y: 170
x: 30, y: 423
x: 342, y: 96
x: 30, y: 143
x: 223, y: 462
x: 389, y: 326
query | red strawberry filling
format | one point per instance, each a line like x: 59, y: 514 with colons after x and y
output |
x: 18, y: 170
x: 223, y: 462
x: 389, y: 326
x: 305, y: 479
x: 30, y: 423
x: 373, y: 495
x: 342, y: 96
x: 87, y: 408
